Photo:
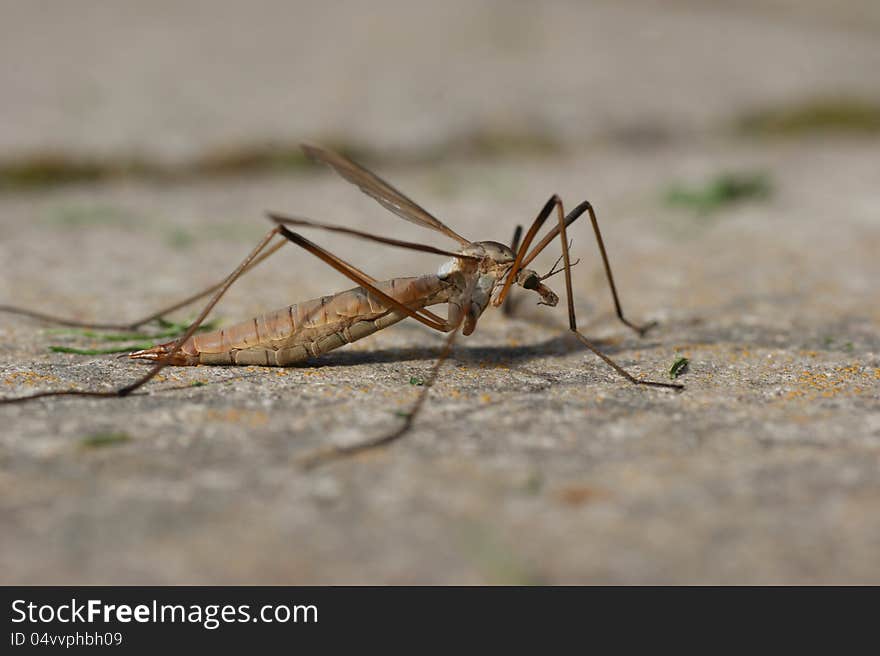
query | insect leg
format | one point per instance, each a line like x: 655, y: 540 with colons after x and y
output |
x: 518, y: 263
x: 133, y: 325
x: 517, y: 235
x: 586, y: 206
x: 508, y: 307
x: 161, y: 364
x: 454, y: 319
x: 572, y: 320
x: 361, y: 279
x: 323, y: 456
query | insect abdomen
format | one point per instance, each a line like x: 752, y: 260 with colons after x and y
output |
x: 301, y: 351
x: 305, y: 330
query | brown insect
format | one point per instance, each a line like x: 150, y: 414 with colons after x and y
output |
x: 476, y: 276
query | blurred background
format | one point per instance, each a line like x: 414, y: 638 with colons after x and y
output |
x: 169, y: 83
x: 731, y: 150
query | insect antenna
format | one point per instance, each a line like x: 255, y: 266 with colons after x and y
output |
x: 554, y: 270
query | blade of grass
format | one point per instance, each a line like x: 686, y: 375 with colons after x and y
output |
x: 678, y: 367
x: 102, y: 351
x: 169, y: 330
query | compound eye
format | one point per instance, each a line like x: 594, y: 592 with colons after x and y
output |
x: 531, y: 282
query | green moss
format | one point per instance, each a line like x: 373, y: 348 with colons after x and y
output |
x: 723, y: 190
x: 498, y: 142
x: 820, y: 115
x: 40, y: 170
x: 247, y: 158
x: 102, y: 439
x: 75, y: 216
x: 179, y: 239
x: 534, y: 483
x: 48, y: 169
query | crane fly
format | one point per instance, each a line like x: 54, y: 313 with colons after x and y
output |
x: 477, y: 275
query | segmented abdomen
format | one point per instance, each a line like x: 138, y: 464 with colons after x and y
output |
x: 307, y: 329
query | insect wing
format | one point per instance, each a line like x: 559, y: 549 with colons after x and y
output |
x: 383, y: 192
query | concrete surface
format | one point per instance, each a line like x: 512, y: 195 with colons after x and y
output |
x: 532, y: 462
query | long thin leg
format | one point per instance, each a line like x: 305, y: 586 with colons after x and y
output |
x: 302, y: 221
x: 133, y: 325
x: 517, y: 235
x: 347, y: 270
x: 452, y: 325
x: 413, y: 246
x: 508, y: 306
x: 571, y: 218
x: 161, y: 364
x: 354, y: 270
x: 572, y: 320
x: 323, y: 456
x: 554, y: 201
x: 522, y: 260
x: 428, y: 318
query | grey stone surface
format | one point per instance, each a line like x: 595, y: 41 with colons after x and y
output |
x: 532, y: 462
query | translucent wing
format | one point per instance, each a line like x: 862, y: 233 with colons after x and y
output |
x: 383, y: 192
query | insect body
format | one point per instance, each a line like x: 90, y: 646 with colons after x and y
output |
x: 306, y: 330
x: 474, y: 277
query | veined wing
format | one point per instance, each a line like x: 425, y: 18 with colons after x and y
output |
x: 383, y: 192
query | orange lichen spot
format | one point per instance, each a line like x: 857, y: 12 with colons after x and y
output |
x: 578, y: 495
x: 251, y: 418
x: 485, y: 398
x: 28, y: 378
x: 846, y: 379
x: 739, y: 354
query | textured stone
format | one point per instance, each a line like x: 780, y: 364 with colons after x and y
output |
x: 532, y: 462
